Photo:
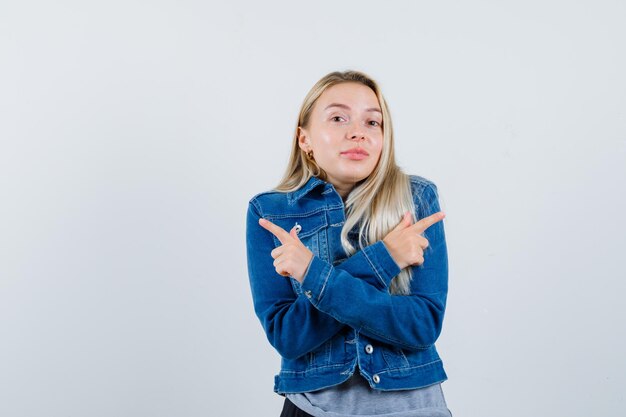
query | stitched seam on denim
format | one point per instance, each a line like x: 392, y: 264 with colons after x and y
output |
x: 419, y: 347
x: 409, y: 367
x: 302, y: 236
x: 336, y: 206
x: 297, y: 215
x: 404, y: 356
x: 305, y: 214
x: 301, y: 193
x: 257, y: 195
x: 257, y: 206
x: 358, y: 356
x: 329, y: 352
x: 378, y: 275
x: 323, y: 241
x: 353, y: 362
x: 319, y: 297
x: 388, y: 356
x: 306, y: 234
x: 338, y: 365
x: 309, y: 233
x: 319, y: 367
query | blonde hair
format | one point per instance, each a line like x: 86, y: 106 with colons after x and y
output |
x: 378, y: 202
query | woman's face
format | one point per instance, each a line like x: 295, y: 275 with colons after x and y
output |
x: 345, y: 117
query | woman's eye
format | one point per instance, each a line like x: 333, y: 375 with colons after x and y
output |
x: 336, y: 117
x: 375, y: 123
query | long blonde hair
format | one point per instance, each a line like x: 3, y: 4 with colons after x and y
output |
x: 379, y: 201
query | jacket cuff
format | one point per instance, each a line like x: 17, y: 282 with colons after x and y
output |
x: 318, y: 271
x: 315, y: 279
x: 381, y: 262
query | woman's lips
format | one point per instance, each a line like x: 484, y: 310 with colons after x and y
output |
x: 355, y: 154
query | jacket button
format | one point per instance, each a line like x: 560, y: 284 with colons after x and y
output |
x: 308, y: 293
x: 376, y: 378
x: 369, y: 349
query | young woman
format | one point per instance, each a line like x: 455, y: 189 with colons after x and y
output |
x: 348, y: 264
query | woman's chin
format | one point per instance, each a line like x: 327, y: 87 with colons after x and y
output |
x: 354, y: 177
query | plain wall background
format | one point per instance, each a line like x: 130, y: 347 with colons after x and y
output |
x: 133, y: 134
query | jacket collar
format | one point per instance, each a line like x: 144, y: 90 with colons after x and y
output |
x: 310, y: 185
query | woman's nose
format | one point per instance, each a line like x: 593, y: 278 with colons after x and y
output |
x: 356, y: 133
x: 357, y: 136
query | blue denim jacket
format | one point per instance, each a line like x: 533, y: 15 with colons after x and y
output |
x: 343, y: 315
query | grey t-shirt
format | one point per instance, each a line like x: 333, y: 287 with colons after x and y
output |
x: 355, y: 397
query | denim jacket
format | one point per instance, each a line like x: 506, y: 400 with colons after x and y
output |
x: 342, y: 315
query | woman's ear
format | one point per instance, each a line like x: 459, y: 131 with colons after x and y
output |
x: 303, y: 140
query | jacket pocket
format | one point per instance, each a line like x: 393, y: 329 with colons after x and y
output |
x: 320, y: 356
x: 312, y: 234
x: 394, y: 357
x: 310, y: 228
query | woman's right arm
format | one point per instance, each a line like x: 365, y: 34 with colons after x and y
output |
x: 292, y: 324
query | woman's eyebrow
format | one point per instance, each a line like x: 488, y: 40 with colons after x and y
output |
x: 343, y: 106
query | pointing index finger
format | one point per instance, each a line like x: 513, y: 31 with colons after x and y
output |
x: 426, y: 222
x: 277, y: 231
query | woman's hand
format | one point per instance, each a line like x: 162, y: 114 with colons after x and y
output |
x: 292, y: 258
x: 405, y: 243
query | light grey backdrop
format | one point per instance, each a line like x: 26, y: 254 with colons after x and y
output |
x: 133, y: 135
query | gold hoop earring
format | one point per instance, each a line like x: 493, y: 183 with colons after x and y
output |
x: 316, y: 168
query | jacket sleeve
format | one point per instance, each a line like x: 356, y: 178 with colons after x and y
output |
x: 291, y: 323
x: 373, y: 265
x: 411, y: 321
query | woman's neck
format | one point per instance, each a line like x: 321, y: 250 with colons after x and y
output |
x: 344, y: 190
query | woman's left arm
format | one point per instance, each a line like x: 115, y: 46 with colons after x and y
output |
x: 411, y: 321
